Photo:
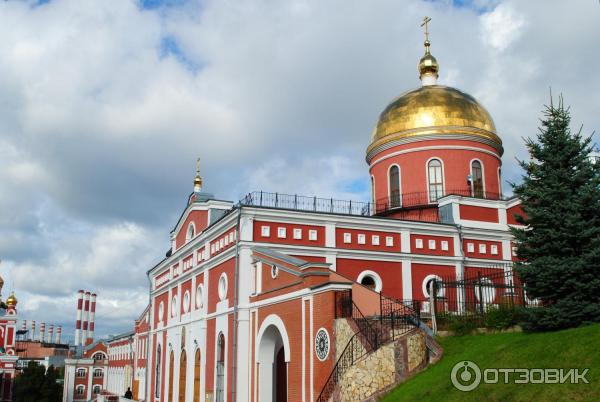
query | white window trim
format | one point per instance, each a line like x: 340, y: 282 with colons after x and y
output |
x: 389, y: 171
x: 470, y: 247
x: 265, y: 231
x: 372, y: 274
x: 424, y: 285
x: 419, y: 243
x: 494, y: 249
x: 312, y: 235
x: 482, y: 249
x: 375, y: 240
x: 347, y: 238
x: 222, y: 290
x: 443, y: 177
x: 281, y: 232
x: 431, y: 244
x: 297, y: 233
x: 444, y: 245
x: 389, y: 241
x: 482, y: 176
x: 361, y: 238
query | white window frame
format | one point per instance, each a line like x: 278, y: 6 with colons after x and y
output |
x: 419, y: 243
x: 281, y: 232
x: 375, y: 240
x: 297, y: 233
x: 361, y: 238
x: 389, y: 241
x: 347, y: 238
x: 372, y: 274
x: 265, y: 231
x: 312, y: 235
x: 470, y: 247
x: 494, y: 249
x: 444, y: 245
x: 431, y: 244
x: 482, y: 248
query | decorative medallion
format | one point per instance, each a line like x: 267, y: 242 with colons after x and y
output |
x: 322, y: 344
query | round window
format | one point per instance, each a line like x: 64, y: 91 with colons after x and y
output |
x: 322, y: 344
x: 199, y: 296
x: 174, y: 306
x: 274, y: 271
x: 186, y: 301
x: 223, y: 286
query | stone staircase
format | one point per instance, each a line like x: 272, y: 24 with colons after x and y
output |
x: 376, y: 352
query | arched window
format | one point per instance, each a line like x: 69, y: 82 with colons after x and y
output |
x: 371, y: 280
x: 96, y: 389
x: 182, y: 374
x: 98, y: 373
x: 197, y: 376
x: 477, y: 179
x: 98, y: 356
x: 80, y: 390
x: 436, y: 180
x: 394, y: 186
x: 500, y: 183
x: 220, y: 392
x: 191, y: 231
x: 171, y: 372
x: 157, y: 372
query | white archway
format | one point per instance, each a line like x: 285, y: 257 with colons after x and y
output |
x: 273, y: 356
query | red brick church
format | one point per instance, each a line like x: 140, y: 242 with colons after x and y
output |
x: 274, y: 297
x: 245, y: 306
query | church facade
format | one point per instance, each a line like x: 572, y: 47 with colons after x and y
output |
x: 243, y: 306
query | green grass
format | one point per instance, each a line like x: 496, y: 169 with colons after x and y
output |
x: 573, y: 348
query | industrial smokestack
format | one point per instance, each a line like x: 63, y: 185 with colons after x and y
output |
x: 92, y: 317
x: 58, y: 334
x: 32, y: 334
x: 50, y: 333
x: 78, y: 322
x: 42, y: 332
x: 86, y: 317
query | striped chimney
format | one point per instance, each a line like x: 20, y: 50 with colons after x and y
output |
x: 32, y: 334
x: 50, y: 335
x: 92, y: 317
x: 42, y: 332
x: 78, y: 322
x: 86, y: 317
x: 24, y: 329
x: 58, y: 334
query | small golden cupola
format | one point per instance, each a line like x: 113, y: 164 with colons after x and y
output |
x: 428, y: 65
x: 12, y: 300
x: 197, y: 179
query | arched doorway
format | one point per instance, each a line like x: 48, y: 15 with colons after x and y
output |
x: 182, y: 373
x: 272, y: 366
x: 197, y: 376
x: 171, y: 370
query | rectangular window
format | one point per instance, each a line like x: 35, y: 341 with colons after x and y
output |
x: 347, y: 238
x: 297, y: 233
x: 444, y: 245
x: 432, y: 244
x: 312, y: 235
x: 226, y: 240
x: 281, y: 233
x: 231, y: 237
x: 389, y: 241
x: 221, y: 243
x: 375, y: 240
x: 470, y: 247
x: 419, y: 243
x: 494, y: 249
x: 361, y: 239
x: 212, y: 248
x: 217, y: 248
x: 265, y: 231
x: 482, y: 249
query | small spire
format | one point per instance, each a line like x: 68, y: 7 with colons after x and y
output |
x: 428, y: 65
x: 197, y: 179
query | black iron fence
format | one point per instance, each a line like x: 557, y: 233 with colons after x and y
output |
x: 409, y: 206
x: 482, y: 296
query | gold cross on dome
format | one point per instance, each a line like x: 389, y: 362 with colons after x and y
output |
x: 425, y: 23
x: 198, y: 166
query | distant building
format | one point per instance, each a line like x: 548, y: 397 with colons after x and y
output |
x: 85, y: 376
x: 8, y: 356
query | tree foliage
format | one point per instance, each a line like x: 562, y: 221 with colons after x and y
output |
x: 560, y: 247
x: 36, y: 384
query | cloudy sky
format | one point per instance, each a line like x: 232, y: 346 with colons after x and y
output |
x: 105, y: 105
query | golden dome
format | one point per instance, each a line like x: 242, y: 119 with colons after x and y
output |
x: 433, y: 112
x: 12, y: 300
